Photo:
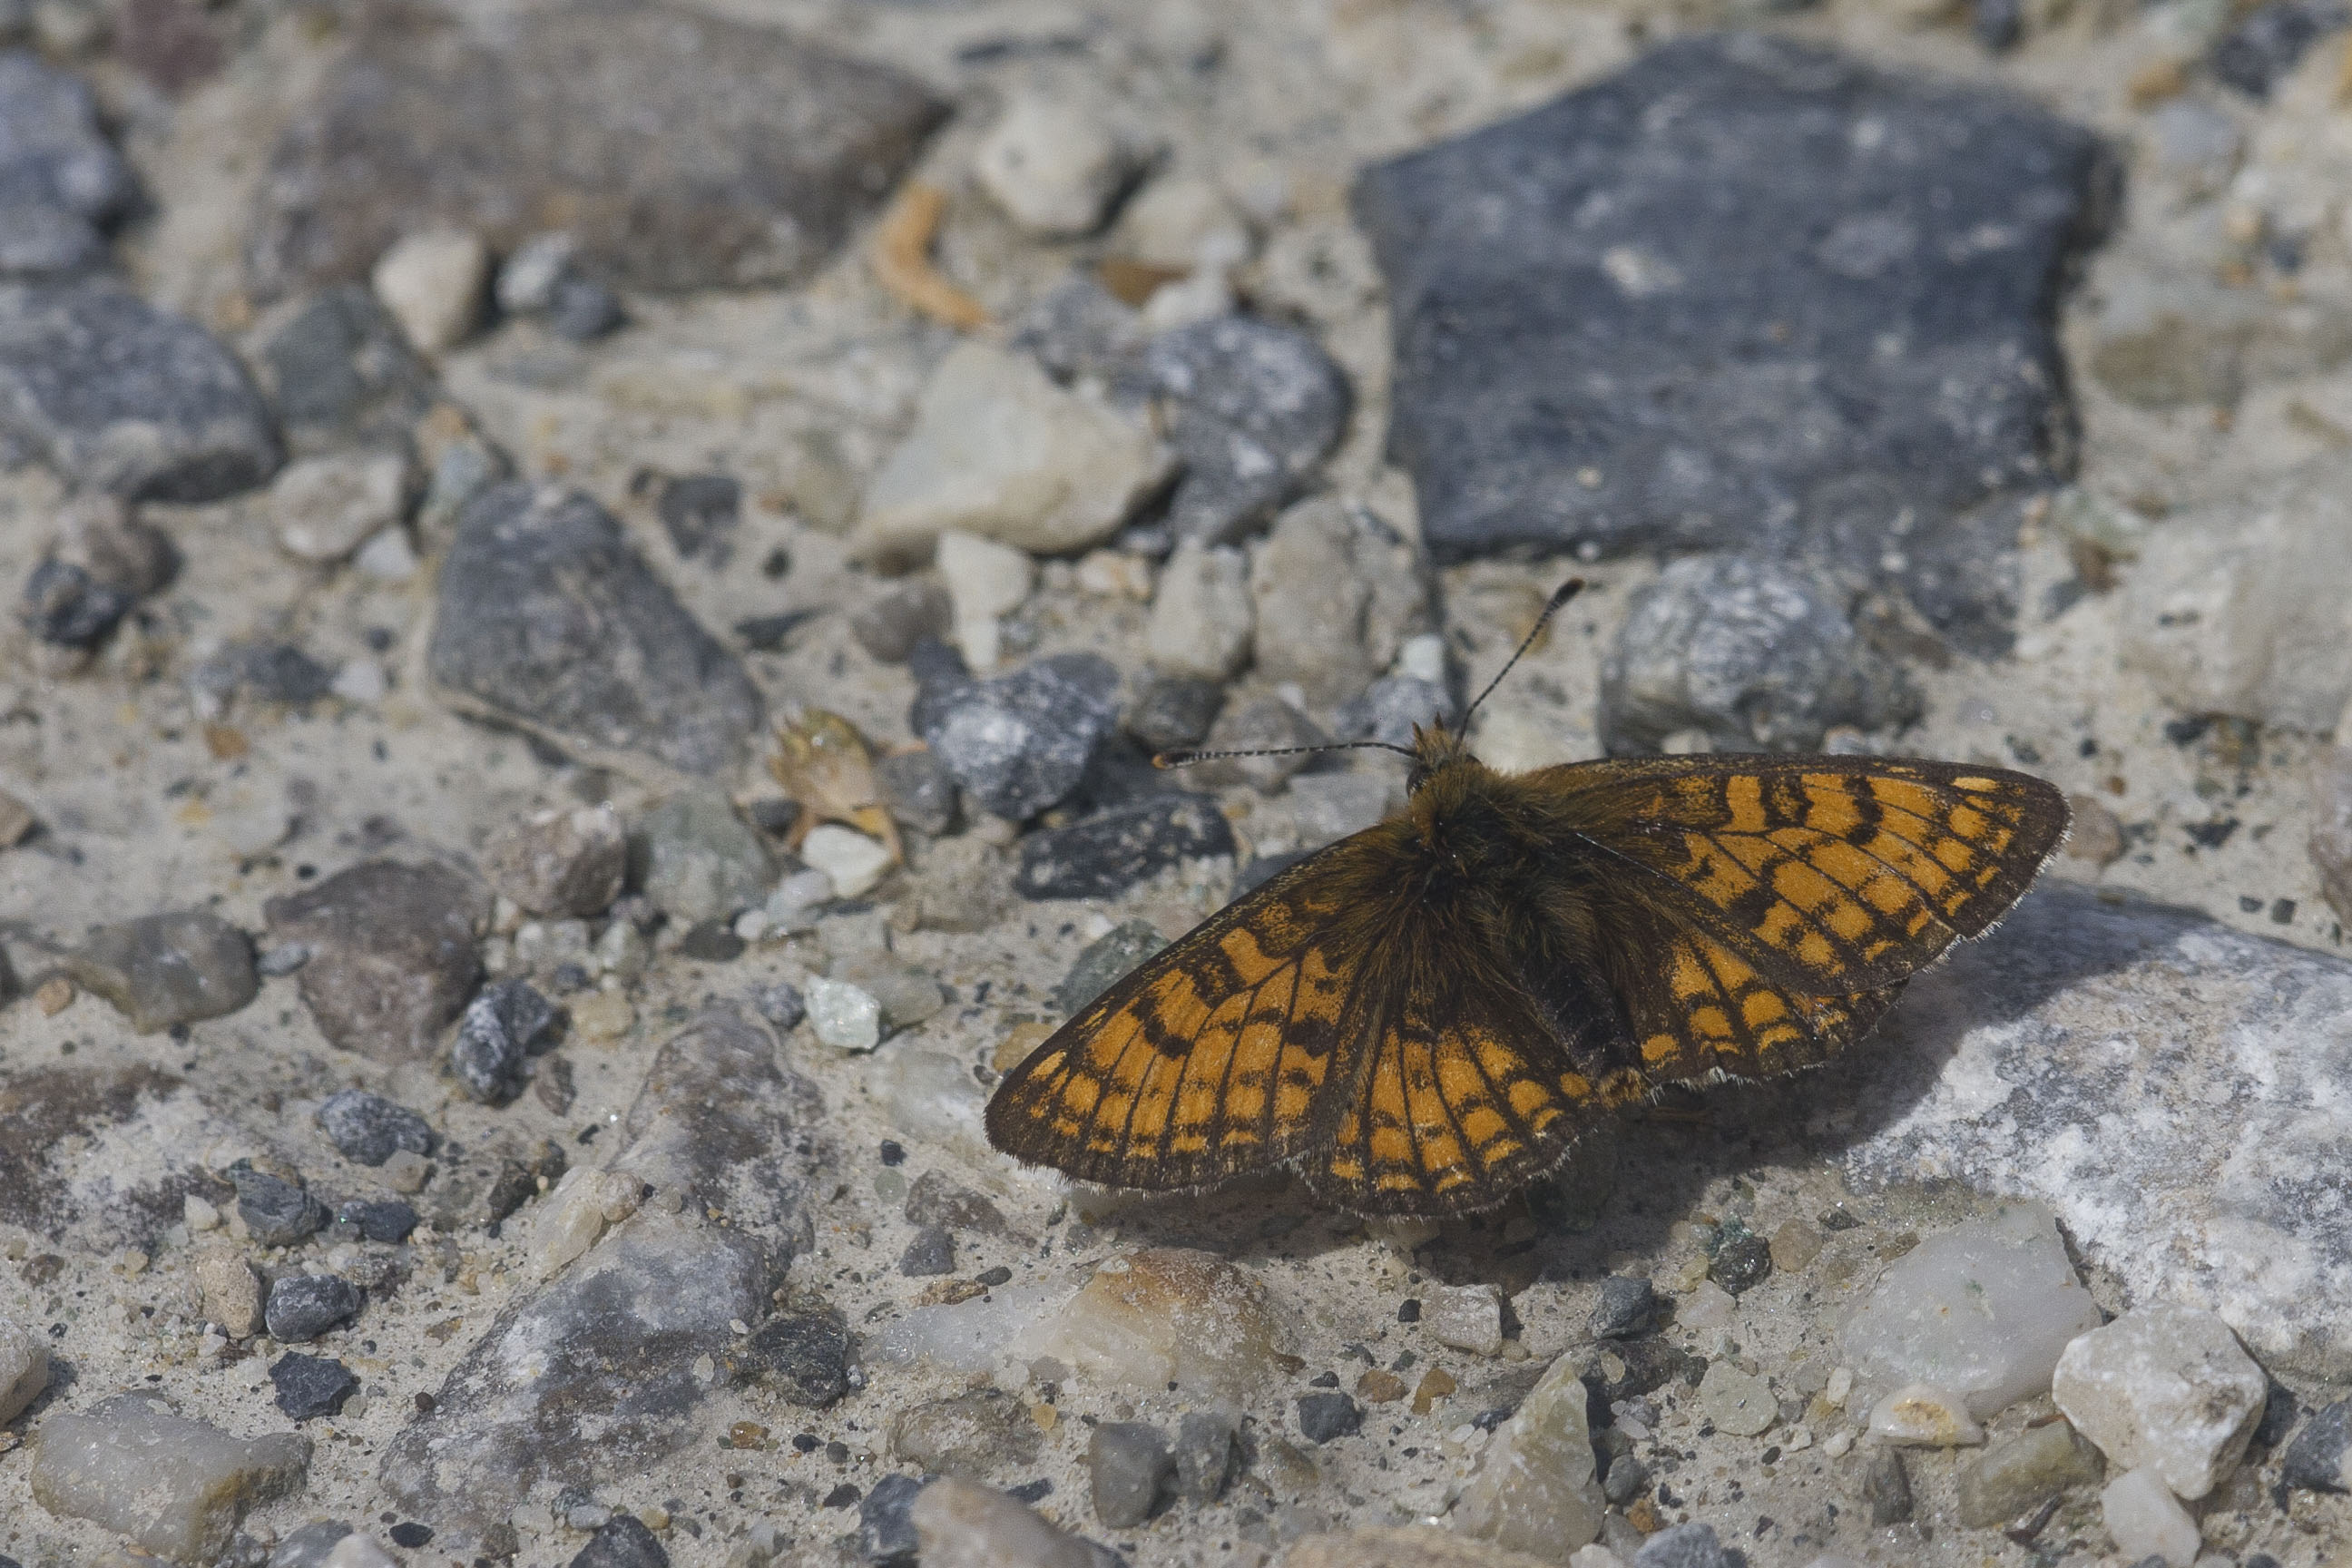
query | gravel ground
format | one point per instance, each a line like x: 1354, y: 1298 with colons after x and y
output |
x: 663, y: 712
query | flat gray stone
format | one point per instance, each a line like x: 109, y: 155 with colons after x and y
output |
x: 1745, y: 292
x: 162, y: 970
x: 2167, y: 1086
x: 120, y: 396
x: 61, y: 181
x: 176, y: 1487
x: 548, y: 618
x: 591, y: 1378
x: 682, y: 150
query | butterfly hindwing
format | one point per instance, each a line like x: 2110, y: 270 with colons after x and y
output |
x: 1829, y: 875
x: 1699, y: 1011
x: 1205, y: 1061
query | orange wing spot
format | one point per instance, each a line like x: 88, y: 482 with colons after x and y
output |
x: 1398, y: 1182
x: 1743, y: 797
x: 1888, y: 896
x: 1802, y: 886
x: 1188, y: 1143
x: 1831, y: 806
x: 1496, y: 1152
x: 1976, y: 786
x: 1906, y: 857
x: 1660, y: 1049
x: 1814, y: 950
x: 1291, y: 1102
x: 1966, y: 821
x: 1244, y: 1103
x: 1576, y: 1086
x: 1713, y: 1023
x: 1482, y: 1124
x: 1528, y: 1096
x: 1347, y: 1168
x: 1760, y: 1007
x: 1849, y: 922
x: 1954, y: 856
x: 1905, y: 795
x: 1391, y: 1146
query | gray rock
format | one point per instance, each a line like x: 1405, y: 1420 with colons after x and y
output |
x: 24, y: 1369
x: 700, y: 513
x: 2259, y: 52
x: 1254, y: 410
x: 1391, y: 708
x: 698, y: 860
x: 1886, y: 1487
x: 502, y: 1027
x: 1324, y: 1417
x: 369, y: 1129
x: 548, y: 618
x: 161, y: 970
x: 781, y: 1004
x: 1739, y: 1263
x: 1105, y: 962
x: 584, y: 310
x: 622, y: 1541
x: 341, y: 373
x: 934, y: 1200
x: 1337, y: 592
x: 562, y: 862
x: 1131, y: 1471
x: 1081, y: 329
x: 1685, y: 1546
x: 886, y: 1527
x: 970, y: 1435
x: 304, y: 1306
x: 1627, y: 1479
x: 919, y: 790
x: 1596, y: 349
x: 1999, y: 1070
x: 887, y: 627
x: 277, y: 1211
x: 122, y: 397
x: 2330, y: 843
x: 1020, y: 742
x: 308, y: 1546
x: 803, y: 1355
x: 685, y: 151
x: 930, y: 1253
x: 392, y: 953
x: 1627, y: 1307
x: 1756, y: 653
x: 61, y: 181
x: 2320, y: 1458
x: 1174, y: 712
x: 386, y: 1221
x: 2015, y: 1475
x: 66, y: 607
x: 1208, y: 1456
x: 259, y: 672
x: 1100, y: 855
x: 718, y: 1123
x: 176, y: 1487
x: 309, y: 1387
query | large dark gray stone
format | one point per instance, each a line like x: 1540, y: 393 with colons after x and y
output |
x: 121, y: 396
x: 1103, y: 855
x: 1746, y: 293
x: 590, y: 1378
x: 682, y: 149
x: 1254, y: 410
x: 168, y: 969
x: 392, y: 953
x: 548, y: 616
x: 340, y: 372
x: 1022, y: 742
x: 61, y: 181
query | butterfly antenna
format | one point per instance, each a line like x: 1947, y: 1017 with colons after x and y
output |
x: 1186, y: 759
x: 1559, y: 596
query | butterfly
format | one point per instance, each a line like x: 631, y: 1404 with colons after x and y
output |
x: 1423, y: 1018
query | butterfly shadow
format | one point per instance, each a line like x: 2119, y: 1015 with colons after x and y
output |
x: 1630, y: 1183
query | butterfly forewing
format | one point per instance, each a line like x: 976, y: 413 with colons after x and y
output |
x: 1829, y: 875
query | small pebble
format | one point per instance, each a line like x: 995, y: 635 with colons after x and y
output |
x: 232, y: 1292
x: 501, y: 1029
x: 1693, y: 1545
x: 1627, y: 1307
x: 885, y: 1529
x: 386, y: 1221
x: 1208, y: 1456
x: 304, y: 1306
x: 1925, y: 1417
x: 2320, y: 1457
x: 623, y: 1542
x: 1738, y: 1402
x: 843, y: 1016
x: 1467, y: 1317
x: 853, y: 861
x: 932, y: 1252
x: 24, y: 1369
x: 2147, y: 1520
x: 434, y: 285
x: 804, y: 1354
x: 781, y: 1005
x: 1132, y: 1469
x: 1740, y: 1263
x: 1886, y: 1487
x: 276, y: 1212
x: 309, y: 1387
x: 1325, y: 1417
x: 2015, y: 1474
x: 369, y: 1129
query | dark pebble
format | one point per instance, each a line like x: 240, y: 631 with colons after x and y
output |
x: 698, y: 511
x: 622, y: 1541
x: 892, y: 1153
x: 1131, y: 1471
x: 711, y: 942
x: 2320, y: 1457
x: 303, y: 1306
x: 805, y: 1354
x: 1105, y: 962
x: 1325, y: 1416
x: 1101, y: 856
x: 393, y: 954
x: 1628, y: 1479
x: 501, y: 1028
x: 1997, y: 24
x: 773, y: 814
x: 65, y: 606
x: 1627, y: 1307
x: 584, y: 310
x: 309, y: 1387
x: 1687, y: 1546
x: 264, y: 672
x: 369, y: 1129
x: 276, y: 1212
x: 1839, y: 1219
x: 2265, y: 45
x: 992, y: 1278
x: 781, y: 1004
x: 931, y: 1252
x: 409, y: 1535
x: 387, y: 1221
x: 1174, y: 712
x: 886, y: 1533
x: 1021, y: 742
x: 1647, y: 1363
x: 1741, y: 1263
x: 934, y: 1200
x: 845, y: 1495
x: 888, y: 628
x: 1409, y: 1310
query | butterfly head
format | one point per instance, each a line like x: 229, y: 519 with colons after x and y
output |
x: 1434, y: 749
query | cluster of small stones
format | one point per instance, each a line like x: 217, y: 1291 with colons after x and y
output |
x: 562, y: 727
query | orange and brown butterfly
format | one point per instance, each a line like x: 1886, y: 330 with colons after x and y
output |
x: 1423, y: 1018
